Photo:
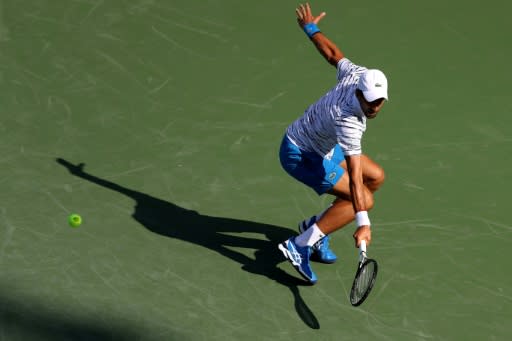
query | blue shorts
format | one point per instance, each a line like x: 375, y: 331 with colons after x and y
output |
x: 317, y: 172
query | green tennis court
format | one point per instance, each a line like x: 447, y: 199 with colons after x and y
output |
x: 159, y: 123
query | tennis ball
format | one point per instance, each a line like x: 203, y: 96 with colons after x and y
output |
x: 74, y: 220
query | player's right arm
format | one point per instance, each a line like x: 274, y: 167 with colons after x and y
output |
x: 360, y: 196
x: 308, y: 23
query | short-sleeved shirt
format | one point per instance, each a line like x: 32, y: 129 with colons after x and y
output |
x: 336, y: 118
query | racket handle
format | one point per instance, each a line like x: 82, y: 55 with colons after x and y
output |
x: 362, y: 246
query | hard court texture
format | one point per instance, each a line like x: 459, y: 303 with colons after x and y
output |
x: 159, y: 122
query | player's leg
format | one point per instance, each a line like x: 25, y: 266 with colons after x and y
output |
x: 299, y: 166
x: 341, y: 212
x: 321, y: 250
x: 322, y: 175
x: 373, y: 174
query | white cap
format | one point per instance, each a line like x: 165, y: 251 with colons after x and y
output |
x: 374, y: 85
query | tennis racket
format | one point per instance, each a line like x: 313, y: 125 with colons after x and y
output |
x: 365, y: 277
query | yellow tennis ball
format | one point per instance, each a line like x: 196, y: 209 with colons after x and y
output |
x: 74, y: 220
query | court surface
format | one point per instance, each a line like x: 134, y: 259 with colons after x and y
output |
x: 159, y: 123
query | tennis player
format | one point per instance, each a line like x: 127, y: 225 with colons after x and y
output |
x: 322, y: 149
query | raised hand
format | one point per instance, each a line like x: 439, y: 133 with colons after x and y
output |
x: 304, y: 15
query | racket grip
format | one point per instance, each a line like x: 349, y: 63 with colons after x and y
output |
x: 362, y: 246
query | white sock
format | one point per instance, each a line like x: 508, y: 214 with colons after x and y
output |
x: 310, y: 236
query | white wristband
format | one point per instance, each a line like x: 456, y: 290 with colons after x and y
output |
x: 362, y: 218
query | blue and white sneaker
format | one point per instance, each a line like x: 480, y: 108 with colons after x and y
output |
x: 320, y: 250
x: 299, y: 257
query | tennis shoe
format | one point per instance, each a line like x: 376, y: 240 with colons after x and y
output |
x: 320, y: 250
x: 298, y: 256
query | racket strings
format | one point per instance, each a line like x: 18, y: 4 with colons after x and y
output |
x: 364, y: 280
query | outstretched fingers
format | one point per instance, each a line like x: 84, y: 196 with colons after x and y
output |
x: 317, y: 19
x: 300, y: 16
x: 305, y: 16
x: 307, y: 9
x: 301, y: 12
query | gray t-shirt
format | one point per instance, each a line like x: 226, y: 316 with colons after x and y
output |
x: 335, y: 118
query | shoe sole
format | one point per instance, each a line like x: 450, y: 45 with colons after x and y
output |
x: 287, y: 255
x: 315, y: 258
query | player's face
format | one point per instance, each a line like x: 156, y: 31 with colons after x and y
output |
x: 370, y: 109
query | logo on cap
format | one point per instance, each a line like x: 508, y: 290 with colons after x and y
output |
x: 378, y: 85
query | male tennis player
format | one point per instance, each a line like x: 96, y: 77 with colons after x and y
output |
x: 322, y: 149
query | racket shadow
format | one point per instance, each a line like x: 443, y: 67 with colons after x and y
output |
x: 173, y: 221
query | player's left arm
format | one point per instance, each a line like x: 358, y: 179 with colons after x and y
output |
x: 308, y: 22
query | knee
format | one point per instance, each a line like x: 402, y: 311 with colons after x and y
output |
x: 377, y: 180
x: 380, y: 176
x: 369, y: 200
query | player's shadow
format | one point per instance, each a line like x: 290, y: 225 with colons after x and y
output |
x: 214, y: 233
x: 31, y: 319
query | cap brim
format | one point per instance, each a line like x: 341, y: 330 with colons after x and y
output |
x: 371, y: 96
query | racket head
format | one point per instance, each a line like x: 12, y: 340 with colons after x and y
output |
x: 363, y: 282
